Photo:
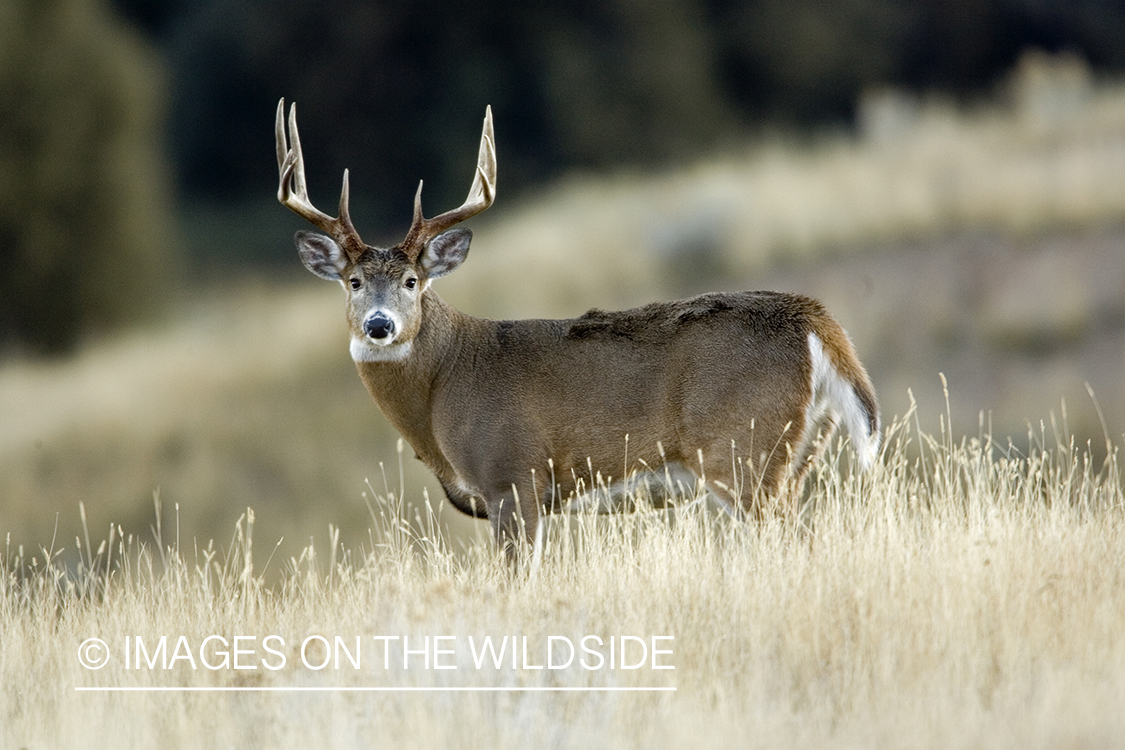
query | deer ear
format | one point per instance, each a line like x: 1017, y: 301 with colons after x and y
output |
x: 446, y: 251
x: 321, y: 255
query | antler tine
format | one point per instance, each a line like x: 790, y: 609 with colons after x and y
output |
x: 293, y: 191
x: 481, y: 194
x: 279, y: 136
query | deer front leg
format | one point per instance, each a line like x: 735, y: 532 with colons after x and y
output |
x: 514, y: 515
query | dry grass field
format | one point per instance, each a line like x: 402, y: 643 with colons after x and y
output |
x: 963, y: 594
x: 968, y: 592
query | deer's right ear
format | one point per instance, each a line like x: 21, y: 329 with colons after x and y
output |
x: 321, y: 255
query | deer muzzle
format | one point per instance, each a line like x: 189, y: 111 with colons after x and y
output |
x: 379, y: 326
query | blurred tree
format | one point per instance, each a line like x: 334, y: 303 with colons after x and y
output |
x: 86, y: 229
x: 394, y: 90
x: 155, y: 17
x: 378, y: 86
x: 630, y: 80
x: 807, y: 61
x: 802, y: 62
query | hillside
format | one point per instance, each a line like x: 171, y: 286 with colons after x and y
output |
x: 984, y: 244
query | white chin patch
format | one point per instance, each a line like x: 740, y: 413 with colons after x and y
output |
x: 364, y: 349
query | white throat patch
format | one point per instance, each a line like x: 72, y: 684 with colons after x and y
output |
x: 362, y: 350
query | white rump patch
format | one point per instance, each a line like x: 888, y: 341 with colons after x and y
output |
x: 834, y: 398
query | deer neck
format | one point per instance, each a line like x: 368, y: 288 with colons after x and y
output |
x: 404, y: 389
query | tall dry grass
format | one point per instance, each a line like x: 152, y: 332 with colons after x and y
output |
x: 961, y: 594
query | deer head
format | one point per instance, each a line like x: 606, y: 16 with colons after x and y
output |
x: 384, y: 286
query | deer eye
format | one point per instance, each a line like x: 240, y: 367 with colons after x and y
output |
x: 355, y: 283
x: 410, y: 283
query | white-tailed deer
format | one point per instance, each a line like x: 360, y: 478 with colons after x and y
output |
x: 515, y: 416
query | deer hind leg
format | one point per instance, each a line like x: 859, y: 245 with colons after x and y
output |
x: 766, y: 476
x: 812, y: 447
x: 744, y: 483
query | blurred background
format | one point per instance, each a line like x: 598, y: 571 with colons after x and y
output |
x: 948, y: 176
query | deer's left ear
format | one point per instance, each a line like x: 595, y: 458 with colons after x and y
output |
x: 446, y: 251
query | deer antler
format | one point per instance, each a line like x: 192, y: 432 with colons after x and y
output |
x: 481, y: 194
x: 293, y: 192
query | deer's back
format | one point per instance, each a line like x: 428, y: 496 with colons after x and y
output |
x: 674, y: 372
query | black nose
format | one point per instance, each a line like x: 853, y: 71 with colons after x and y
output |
x: 379, y: 326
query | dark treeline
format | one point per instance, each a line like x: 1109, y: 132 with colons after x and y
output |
x: 110, y: 108
x: 394, y: 88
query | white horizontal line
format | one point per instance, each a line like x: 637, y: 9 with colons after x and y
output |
x: 371, y: 689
